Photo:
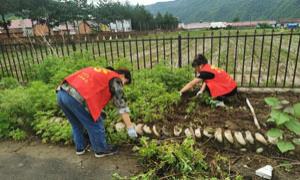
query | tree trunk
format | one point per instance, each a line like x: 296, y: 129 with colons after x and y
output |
x: 78, y: 26
x: 68, y: 31
x: 33, y: 29
x: 5, y: 25
x: 49, y: 29
x: 84, y: 23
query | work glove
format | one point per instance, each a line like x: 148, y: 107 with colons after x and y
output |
x: 198, y: 93
x: 132, y: 133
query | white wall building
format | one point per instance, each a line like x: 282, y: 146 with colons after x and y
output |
x: 203, y: 25
x: 218, y: 25
x: 121, y: 26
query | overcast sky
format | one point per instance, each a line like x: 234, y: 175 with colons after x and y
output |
x: 134, y: 2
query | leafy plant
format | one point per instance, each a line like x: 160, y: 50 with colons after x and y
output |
x: 8, y: 83
x: 207, y: 99
x: 17, y: 134
x: 171, y: 159
x: 284, y: 117
x: 52, y: 129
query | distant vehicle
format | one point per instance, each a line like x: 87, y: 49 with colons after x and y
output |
x: 292, y: 25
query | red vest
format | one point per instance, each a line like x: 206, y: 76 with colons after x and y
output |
x: 93, y: 85
x: 221, y: 84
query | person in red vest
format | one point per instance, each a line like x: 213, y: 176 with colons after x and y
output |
x: 216, y: 81
x: 82, y: 97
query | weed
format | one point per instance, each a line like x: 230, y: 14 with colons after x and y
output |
x: 17, y: 134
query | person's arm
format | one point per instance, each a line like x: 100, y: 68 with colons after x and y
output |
x: 118, y: 97
x: 203, y: 87
x: 190, y: 85
x: 116, y: 88
x: 126, y: 120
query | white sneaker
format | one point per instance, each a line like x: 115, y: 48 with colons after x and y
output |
x: 80, y: 152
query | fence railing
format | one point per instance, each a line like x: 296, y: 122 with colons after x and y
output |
x: 253, y: 59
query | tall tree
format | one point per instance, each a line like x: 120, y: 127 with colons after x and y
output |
x: 6, y: 7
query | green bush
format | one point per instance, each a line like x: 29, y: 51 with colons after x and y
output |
x: 5, y: 124
x: 19, y: 105
x: 54, y: 69
x: 8, y: 83
x: 51, y: 128
x: 149, y: 97
x: 18, y: 134
x: 148, y: 100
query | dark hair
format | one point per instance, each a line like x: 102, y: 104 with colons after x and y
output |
x: 199, y: 60
x: 123, y: 71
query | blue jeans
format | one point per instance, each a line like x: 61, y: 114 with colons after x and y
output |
x: 80, y: 119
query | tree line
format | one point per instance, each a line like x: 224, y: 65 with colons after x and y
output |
x: 55, y: 12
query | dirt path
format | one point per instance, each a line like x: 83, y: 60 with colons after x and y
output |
x: 34, y: 160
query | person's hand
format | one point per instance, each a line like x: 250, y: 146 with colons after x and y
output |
x: 132, y: 133
x: 199, y: 93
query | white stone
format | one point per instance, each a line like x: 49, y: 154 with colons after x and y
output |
x: 155, y: 131
x: 249, y: 137
x: 139, y: 129
x: 218, y: 135
x: 177, y: 130
x: 207, y: 132
x: 243, y: 149
x: 165, y: 131
x: 259, y: 150
x: 198, y: 132
x: 260, y: 138
x: 265, y: 172
x: 120, y: 126
x: 228, y: 136
x: 239, y: 137
x: 147, y: 129
x: 187, y: 132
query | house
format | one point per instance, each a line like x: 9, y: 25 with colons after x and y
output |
x: 289, y: 23
x: 251, y: 23
x: 65, y: 29
x: 88, y: 27
x: 190, y: 26
x: 104, y: 28
x: 26, y: 27
x: 218, y: 25
x: 121, y: 26
x: 40, y: 29
x: 20, y: 28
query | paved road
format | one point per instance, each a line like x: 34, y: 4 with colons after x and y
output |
x: 42, y: 161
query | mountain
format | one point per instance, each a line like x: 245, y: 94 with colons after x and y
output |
x: 228, y: 10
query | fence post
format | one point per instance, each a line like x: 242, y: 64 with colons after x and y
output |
x: 179, y: 52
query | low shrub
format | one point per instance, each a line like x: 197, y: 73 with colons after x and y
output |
x: 170, y: 159
x: 149, y: 97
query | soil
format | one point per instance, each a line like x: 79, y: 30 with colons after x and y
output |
x: 237, y: 117
x: 32, y: 160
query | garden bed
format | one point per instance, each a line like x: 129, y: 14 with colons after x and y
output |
x: 236, y: 117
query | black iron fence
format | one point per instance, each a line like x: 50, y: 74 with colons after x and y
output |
x: 255, y: 59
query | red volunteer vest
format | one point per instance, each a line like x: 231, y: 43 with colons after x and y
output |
x: 93, y: 85
x: 221, y: 84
